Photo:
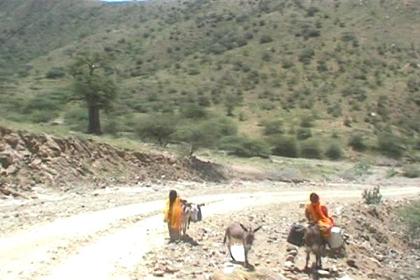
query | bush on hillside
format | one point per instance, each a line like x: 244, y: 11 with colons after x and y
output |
x: 389, y: 145
x: 357, y: 143
x: 158, y: 128
x: 356, y: 92
x: 310, y: 149
x: 411, y: 171
x: 303, y: 133
x: 76, y: 118
x: 273, y: 127
x: 112, y: 126
x: 41, y: 116
x: 196, y: 136
x: 410, y: 215
x: 55, y: 73
x: 372, y: 196
x: 413, y: 84
x: 334, y: 151
x: 205, y: 134
x: 42, y: 103
x: 306, y: 121
x: 306, y: 55
x: 265, y: 39
x: 285, y: 146
x: 311, y: 11
x: 193, y: 111
x: 244, y: 147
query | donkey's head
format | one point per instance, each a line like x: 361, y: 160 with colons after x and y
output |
x: 249, y: 234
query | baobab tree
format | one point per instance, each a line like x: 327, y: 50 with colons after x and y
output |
x: 93, y: 86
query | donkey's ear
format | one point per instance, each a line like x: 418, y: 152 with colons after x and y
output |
x: 201, y: 204
x: 257, y: 229
x: 243, y: 227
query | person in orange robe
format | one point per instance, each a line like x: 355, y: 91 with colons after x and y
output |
x: 317, y: 213
x: 173, y: 215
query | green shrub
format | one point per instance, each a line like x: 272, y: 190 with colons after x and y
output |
x: 334, y: 151
x: 42, y: 103
x: 244, y: 147
x: 158, y: 128
x: 40, y: 116
x: 193, y: 111
x: 357, y: 143
x: 222, y: 126
x: 411, y: 216
x: 306, y: 121
x: 204, y: 101
x: 197, y: 135
x: 55, y: 73
x: 310, y: 32
x: 413, y: 84
x: 265, y: 39
x: 355, y: 91
x: 205, y: 134
x: 391, y: 173
x: 389, y: 145
x: 311, y: 11
x: 266, y: 56
x: 76, y: 118
x: 411, y: 171
x: 286, y: 64
x: 112, y: 126
x: 306, y: 55
x: 372, y: 196
x: 273, y: 127
x: 335, y: 110
x: 303, y: 133
x: 310, y: 149
x: 361, y: 168
x: 285, y: 146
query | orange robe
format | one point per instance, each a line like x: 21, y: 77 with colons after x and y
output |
x: 318, y: 213
x: 173, y: 216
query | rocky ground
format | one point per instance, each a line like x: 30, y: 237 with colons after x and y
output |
x: 64, y: 202
x: 28, y: 160
x: 377, y: 247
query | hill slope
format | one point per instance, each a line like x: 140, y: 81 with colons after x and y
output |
x: 333, y: 62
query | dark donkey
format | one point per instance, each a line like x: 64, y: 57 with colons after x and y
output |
x: 314, y: 243
x: 239, y: 232
x: 191, y: 212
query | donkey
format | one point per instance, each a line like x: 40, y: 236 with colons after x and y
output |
x: 314, y: 243
x: 191, y: 212
x: 239, y: 232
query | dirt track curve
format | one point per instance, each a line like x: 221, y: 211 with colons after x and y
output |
x: 107, y: 244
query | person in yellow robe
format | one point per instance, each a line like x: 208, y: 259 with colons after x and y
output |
x: 173, y: 215
x: 317, y: 213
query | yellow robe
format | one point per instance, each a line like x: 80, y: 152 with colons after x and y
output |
x: 318, y: 214
x: 173, y: 216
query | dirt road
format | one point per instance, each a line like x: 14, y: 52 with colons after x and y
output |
x: 107, y: 244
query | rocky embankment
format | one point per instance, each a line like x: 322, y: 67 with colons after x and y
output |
x: 377, y: 247
x: 27, y: 160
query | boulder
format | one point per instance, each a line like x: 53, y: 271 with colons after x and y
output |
x: 6, y: 159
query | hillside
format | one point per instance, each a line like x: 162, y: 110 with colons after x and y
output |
x: 324, y: 70
x: 28, y: 160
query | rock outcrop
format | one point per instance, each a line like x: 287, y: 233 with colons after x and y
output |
x: 27, y: 159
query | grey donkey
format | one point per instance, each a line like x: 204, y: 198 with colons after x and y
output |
x: 238, y: 231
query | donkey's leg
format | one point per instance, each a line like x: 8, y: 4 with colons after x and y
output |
x: 318, y: 260
x: 246, y: 256
x: 307, y: 260
x: 230, y: 252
